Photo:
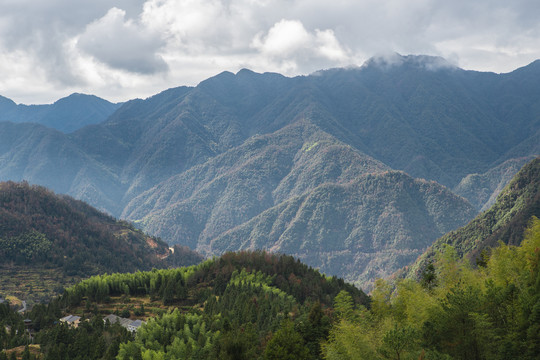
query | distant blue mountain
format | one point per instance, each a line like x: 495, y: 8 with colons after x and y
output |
x: 67, y: 114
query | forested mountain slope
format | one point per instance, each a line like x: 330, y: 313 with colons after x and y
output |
x: 239, y: 184
x: 225, y: 308
x: 300, y: 191
x: 361, y: 230
x: 258, y: 305
x: 44, y: 232
x: 416, y: 114
x: 482, y: 189
x: 229, y: 306
x: 505, y: 220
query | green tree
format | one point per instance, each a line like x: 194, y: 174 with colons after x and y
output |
x: 398, y: 341
x: 314, y: 329
x: 286, y: 344
x: 238, y: 344
x: 429, y: 277
x: 344, y: 305
x: 26, y: 355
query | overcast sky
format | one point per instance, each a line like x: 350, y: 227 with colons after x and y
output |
x: 122, y: 49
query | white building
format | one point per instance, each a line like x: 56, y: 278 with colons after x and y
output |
x: 131, y: 325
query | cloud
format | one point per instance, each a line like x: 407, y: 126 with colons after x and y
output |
x: 284, y: 39
x: 289, y: 44
x: 37, y: 60
x: 387, y: 61
x: 121, y: 48
x: 123, y: 44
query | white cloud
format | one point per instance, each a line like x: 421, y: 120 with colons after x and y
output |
x: 329, y: 46
x: 292, y: 48
x: 284, y: 39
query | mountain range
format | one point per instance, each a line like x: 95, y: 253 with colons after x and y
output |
x: 357, y: 171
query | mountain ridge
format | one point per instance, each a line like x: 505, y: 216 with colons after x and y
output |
x: 67, y: 114
x: 345, y: 229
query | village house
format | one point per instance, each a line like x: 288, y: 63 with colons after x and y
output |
x: 71, y: 320
x: 135, y: 325
x: 131, y: 325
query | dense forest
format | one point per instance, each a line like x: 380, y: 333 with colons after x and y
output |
x: 260, y: 305
x: 227, y: 307
x: 256, y: 305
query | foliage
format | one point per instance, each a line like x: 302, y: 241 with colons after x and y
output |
x: 224, y: 308
x: 368, y: 227
x: 484, y: 313
x: 12, y: 331
x: 286, y: 344
x: 91, y: 340
x: 171, y: 336
x: 27, y: 246
x: 250, y: 306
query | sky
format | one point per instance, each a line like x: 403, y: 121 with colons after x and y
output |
x: 124, y: 49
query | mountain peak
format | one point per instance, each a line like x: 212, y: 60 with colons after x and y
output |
x: 81, y: 99
x: 6, y: 103
x: 528, y: 70
x: 246, y: 72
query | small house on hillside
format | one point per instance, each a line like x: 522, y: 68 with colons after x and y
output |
x: 131, y: 325
x: 71, y: 320
x: 135, y: 325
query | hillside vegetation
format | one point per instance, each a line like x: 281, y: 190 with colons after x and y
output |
x: 453, y: 312
x: 361, y: 231
x: 224, y: 308
x: 300, y: 191
x: 256, y: 305
x: 64, y: 239
x: 482, y: 189
x: 504, y: 222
